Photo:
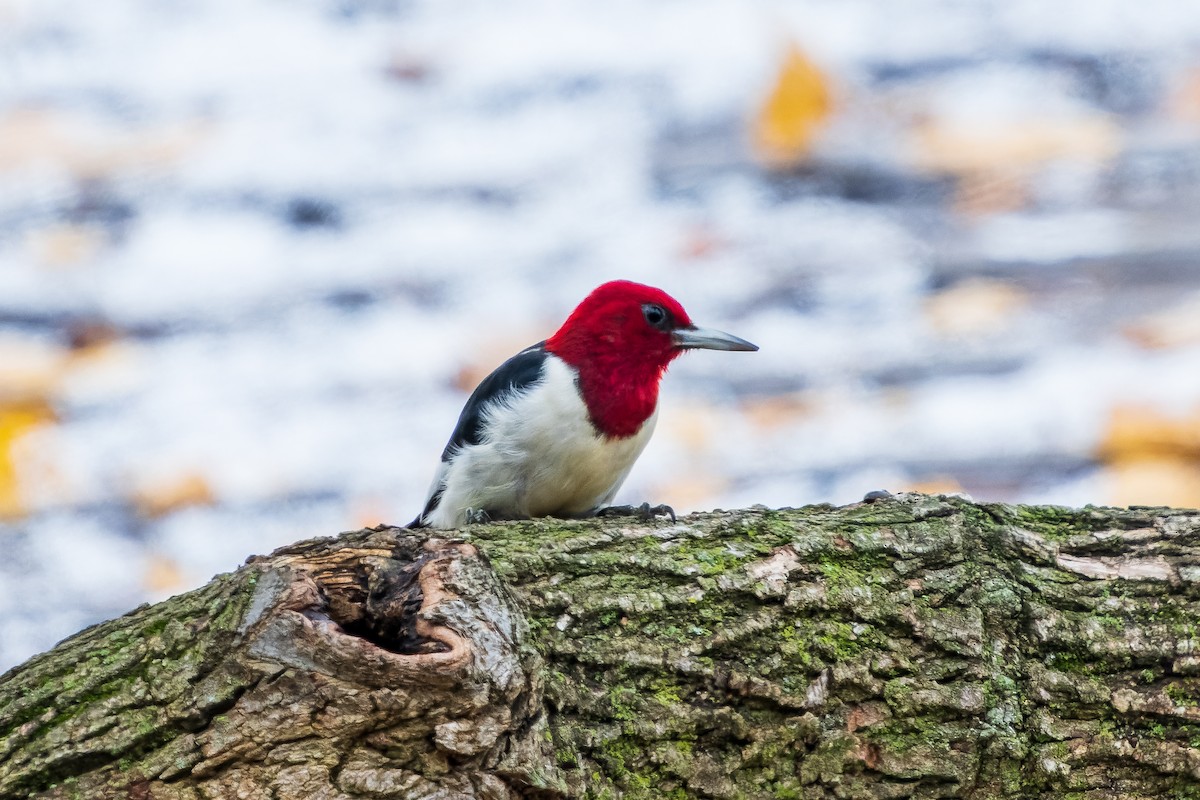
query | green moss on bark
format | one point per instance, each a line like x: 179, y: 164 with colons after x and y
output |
x: 916, y: 642
x: 912, y: 647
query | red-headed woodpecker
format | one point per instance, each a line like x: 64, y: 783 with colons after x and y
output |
x: 556, y: 428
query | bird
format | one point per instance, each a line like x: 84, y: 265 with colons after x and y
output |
x: 555, y: 430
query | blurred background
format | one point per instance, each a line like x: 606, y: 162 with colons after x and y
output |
x: 254, y: 254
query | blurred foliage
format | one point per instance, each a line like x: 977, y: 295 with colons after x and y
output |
x: 17, y: 420
x: 800, y: 101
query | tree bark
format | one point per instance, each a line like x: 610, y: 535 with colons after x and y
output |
x: 915, y: 647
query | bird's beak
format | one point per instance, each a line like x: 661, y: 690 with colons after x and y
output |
x: 708, y: 339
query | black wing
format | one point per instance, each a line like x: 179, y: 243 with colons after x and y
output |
x: 518, y: 373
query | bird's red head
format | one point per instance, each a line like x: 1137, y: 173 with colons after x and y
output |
x: 621, y: 339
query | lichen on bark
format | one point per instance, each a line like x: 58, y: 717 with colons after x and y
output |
x: 920, y: 647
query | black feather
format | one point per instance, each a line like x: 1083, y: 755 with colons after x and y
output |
x: 515, y: 375
x: 518, y: 373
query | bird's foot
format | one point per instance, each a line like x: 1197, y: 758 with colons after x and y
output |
x: 477, y: 516
x: 645, y: 512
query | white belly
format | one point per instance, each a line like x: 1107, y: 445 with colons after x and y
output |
x: 545, y: 459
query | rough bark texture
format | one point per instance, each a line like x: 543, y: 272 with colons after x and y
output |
x: 914, y: 647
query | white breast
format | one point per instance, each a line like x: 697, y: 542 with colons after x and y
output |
x: 539, y: 456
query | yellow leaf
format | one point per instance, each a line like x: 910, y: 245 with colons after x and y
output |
x: 1138, y: 432
x: 992, y: 191
x: 936, y: 484
x: 1152, y: 481
x: 793, y: 112
x: 163, y: 575
x: 693, y: 427
x: 942, y: 146
x: 1152, y: 458
x: 161, y: 496
x: 15, y: 422
x: 1175, y: 327
x: 975, y: 307
x: 692, y: 489
x: 770, y: 413
x: 29, y: 372
x: 368, y: 511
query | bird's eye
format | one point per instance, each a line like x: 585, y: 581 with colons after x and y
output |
x: 656, y: 315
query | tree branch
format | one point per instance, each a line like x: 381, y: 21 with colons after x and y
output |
x: 912, y: 647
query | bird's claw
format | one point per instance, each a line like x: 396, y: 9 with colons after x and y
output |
x: 645, y: 512
x: 477, y: 516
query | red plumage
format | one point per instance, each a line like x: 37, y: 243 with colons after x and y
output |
x: 619, y: 354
